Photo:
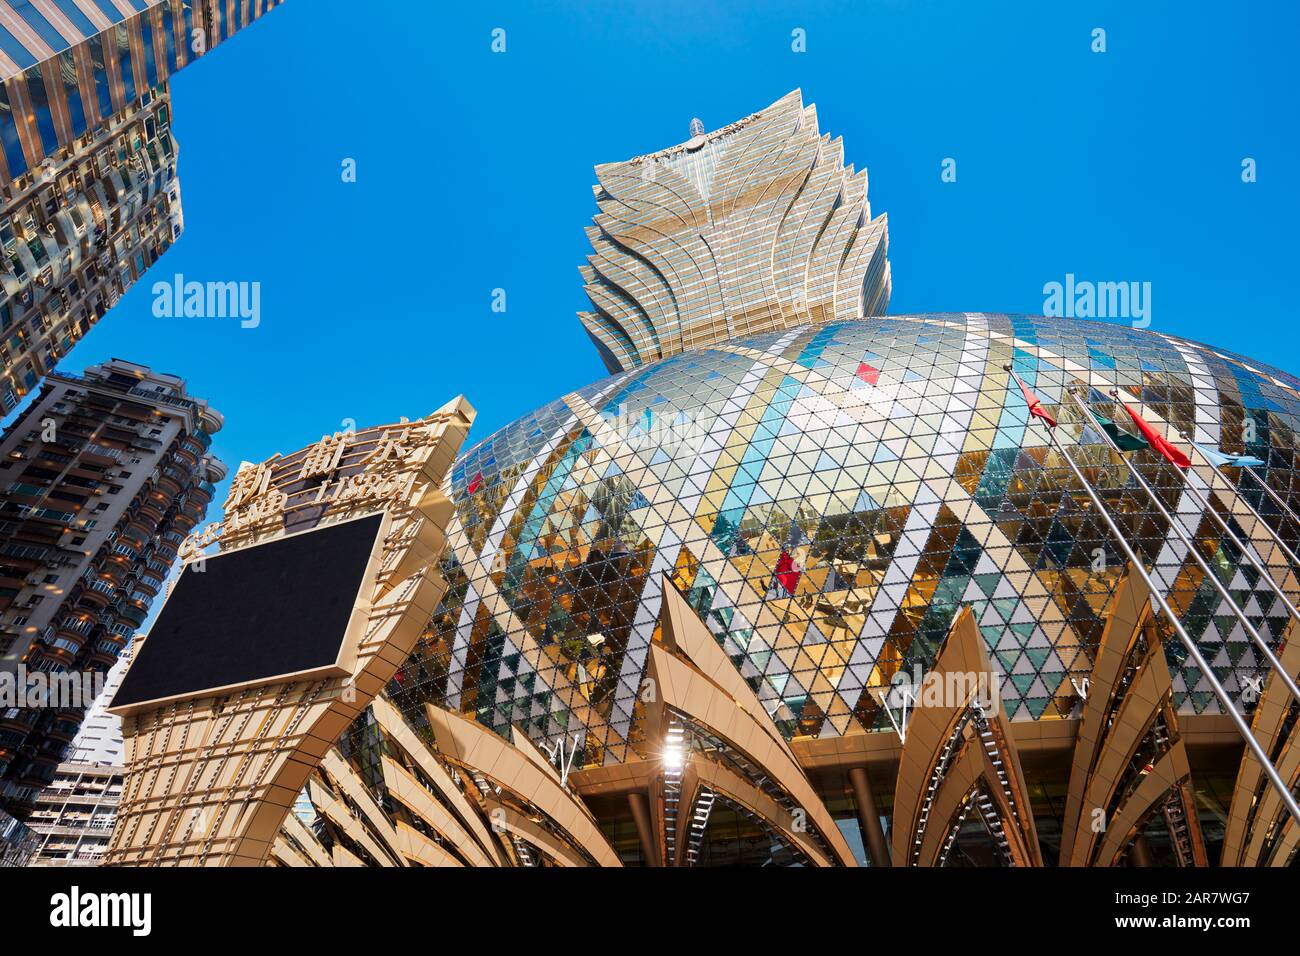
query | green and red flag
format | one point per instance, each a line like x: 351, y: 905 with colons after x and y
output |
x: 1157, y: 441
x: 1122, y: 439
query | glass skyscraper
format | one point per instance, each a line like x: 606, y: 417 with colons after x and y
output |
x: 88, y: 181
x: 754, y: 227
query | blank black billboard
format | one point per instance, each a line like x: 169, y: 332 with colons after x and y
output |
x: 254, y: 614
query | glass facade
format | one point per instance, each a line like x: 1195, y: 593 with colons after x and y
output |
x: 754, y: 227
x: 829, y: 497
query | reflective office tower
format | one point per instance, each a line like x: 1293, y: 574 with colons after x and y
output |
x: 87, y: 160
x: 76, y: 237
x: 103, y: 475
x: 74, y: 815
x: 752, y: 228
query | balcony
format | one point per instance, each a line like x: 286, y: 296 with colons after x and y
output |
x: 64, y: 730
x: 25, y: 490
x: 103, y: 451
x: 104, y: 656
x: 98, y: 593
x: 136, y: 532
x: 126, y: 551
x: 45, y: 514
x: 129, y: 613
x: 171, y: 478
x: 75, y: 625
x: 150, y: 585
x: 109, y: 646
x: 110, y: 571
x: 61, y: 649
x: 32, y: 552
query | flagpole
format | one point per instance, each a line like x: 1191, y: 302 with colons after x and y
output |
x: 1274, y: 533
x: 1202, y: 499
x: 1271, y: 493
x: 1283, y: 791
x: 1242, y: 547
x: 1176, y: 526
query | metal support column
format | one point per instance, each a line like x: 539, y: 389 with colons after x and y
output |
x: 869, y: 817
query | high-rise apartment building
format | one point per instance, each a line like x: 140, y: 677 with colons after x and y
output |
x: 74, y: 815
x: 88, y: 191
x: 99, y: 741
x: 755, y: 227
x: 18, y: 842
x: 101, y: 478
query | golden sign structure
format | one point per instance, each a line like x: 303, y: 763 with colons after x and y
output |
x: 210, y: 779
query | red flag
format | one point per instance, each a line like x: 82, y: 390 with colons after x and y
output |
x: 1035, y: 406
x: 475, y: 482
x: 786, y: 572
x: 1157, y: 441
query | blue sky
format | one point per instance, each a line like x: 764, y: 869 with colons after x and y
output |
x: 475, y: 171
